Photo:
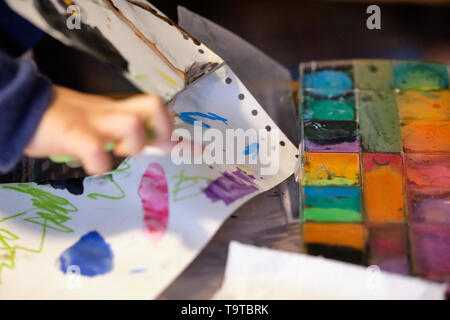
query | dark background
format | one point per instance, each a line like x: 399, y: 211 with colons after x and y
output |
x: 289, y: 31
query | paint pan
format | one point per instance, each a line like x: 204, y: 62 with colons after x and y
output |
x: 341, y: 108
x: 332, y: 204
x: 330, y: 136
x: 419, y: 105
x: 373, y: 74
x: 427, y: 171
x: 328, y: 80
x: 422, y: 76
x: 383, y: 187
x: 331, y: 169
x: 340, y: 241
x: 426, y: 136
x: 431, y: 250
x: 378, y: 121
x: 429, y: 205
x: 388, y: 247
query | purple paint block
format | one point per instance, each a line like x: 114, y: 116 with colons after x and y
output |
x: 431, y: 250
x: 429, y: 208
x: 345, y: 147
x: 396, y: 265
x: 388, y: 247
x: 231, y: 186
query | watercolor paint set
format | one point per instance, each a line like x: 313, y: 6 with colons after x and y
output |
x: 375, y: 164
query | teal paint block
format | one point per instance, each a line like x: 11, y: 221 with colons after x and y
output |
x: 420, y: 76
x: 342, y: 108
x: 332, y: 204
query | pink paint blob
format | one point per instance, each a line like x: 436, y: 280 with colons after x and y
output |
x: 154, y: 193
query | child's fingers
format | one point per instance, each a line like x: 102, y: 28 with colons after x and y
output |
x: 127, y: 130
x: 152, y: 111
x: 88, y: 146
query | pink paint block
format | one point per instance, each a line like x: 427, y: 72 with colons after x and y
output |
x: 154, y: 193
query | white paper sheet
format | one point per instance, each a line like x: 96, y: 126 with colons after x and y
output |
x: 143, y: 264
x: 38, y: 224
x: 260, y: 273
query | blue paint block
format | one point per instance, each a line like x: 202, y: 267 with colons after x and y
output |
x: 91, y: 254
x: 328, y: 83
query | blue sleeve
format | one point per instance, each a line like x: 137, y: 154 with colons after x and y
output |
x: 24, y: 97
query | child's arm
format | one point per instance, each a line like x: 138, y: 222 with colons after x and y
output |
x: 80, y: 125
x: 42, y: 120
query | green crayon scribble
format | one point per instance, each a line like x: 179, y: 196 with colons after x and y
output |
x: 191, y: 182
x: 95, y: 196
x: 50, y: 211
x: 124, y: 166
x: 48, y: 208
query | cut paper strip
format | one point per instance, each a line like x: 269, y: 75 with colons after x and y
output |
x: 115, y: 30
x: 264, y: 274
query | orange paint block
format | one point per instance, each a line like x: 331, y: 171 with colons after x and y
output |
x: 383, y: 187
x: 422, y: 105
x: 331, y: 169
x: 340, y: 241
x: 426, y: 136
x: 335, y: 234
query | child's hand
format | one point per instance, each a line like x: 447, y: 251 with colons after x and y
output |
x: 80, y: 125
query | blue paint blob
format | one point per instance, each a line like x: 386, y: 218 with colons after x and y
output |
x: 91, y: 254
x: 191, y: 117
x: 252, y: 149
x: 328, y: 83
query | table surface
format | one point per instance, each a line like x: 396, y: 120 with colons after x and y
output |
x: 261, y: 221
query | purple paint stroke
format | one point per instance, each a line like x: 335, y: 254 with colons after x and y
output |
x: 230, y: 187
x: 339, y: 147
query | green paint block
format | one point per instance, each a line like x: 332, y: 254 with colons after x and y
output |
x: 373, y: 74
x: 335, y: 181
x: 332, y: 204
x: 420, y: 76
x: 331, y: 215
x: 379, y: 125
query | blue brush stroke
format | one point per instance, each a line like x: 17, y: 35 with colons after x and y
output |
x: 188, y: 117
x: 134, y: 271
x: 252, y: 149
x: 91, y: 254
